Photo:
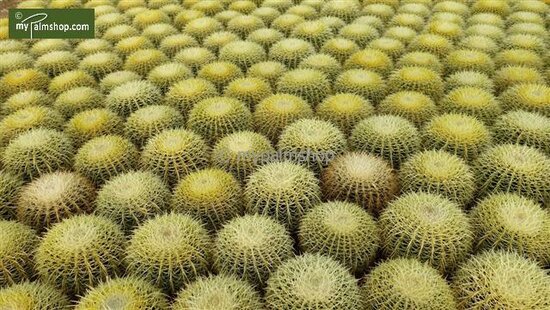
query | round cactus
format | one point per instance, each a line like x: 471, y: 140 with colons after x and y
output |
x: 19, y: 242
x: 420, y: 59
x: 344, y: 110
x: 290, y: 52
x: 312, y: 143
x: 309, y: 84
x: 131, y: 198
x: 367, y: 84
x: 130, y: 96
x: 104, y: 157
x: 427, y: 227
x: 216, y: 117
x: 239, y: 153
x: 92, y: 46
x: 221, y: 73
x: 38, y: 151
x: 360, y: 178
x: 312, y: 281
x: 388, y: 286
x: 25, y: 99
x: 174, y: 153
x: 322, y: 62
x: 165, y: 75
x: 513, y: 223
x: 469, y: 79
x: 56, y: 62
x: 151, y: 120
x: 155, y: 245
x: 418, y: 79
x: 218, y: 292
x: 460, y: 134
x: 183, y: 95
x: 127, y: 292
x: 522, y: 127
x: 112, y: 80
x: 282, y: 190
x: 11, y: 61
x: 144, y: 60
x: 52, y: 197
x: 514, y: 169
x: 33, y: 295
x: 101, y: 63
x: 438, y: 172
x: 27, y: 119
x: 93, y: 123
x: 252, y: 247
x: 277, y: 111
x: 414, y: 106
x: 128, y: 46
x: 249, y: 90
x: 242, y: 53
x: 501, y: 279
x: 69, y: 80
x: 215, y: 41
x: 22, y: 80
x: 10, y: 185
x: 80, y: 252
x: 343, y: 231
x: 532, y: 97
x: 391, y: 137
x: 77, y: 100
x: 472, y: 101
x: 211, y: 195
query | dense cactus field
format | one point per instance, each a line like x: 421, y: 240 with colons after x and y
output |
x: 278, y: 154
